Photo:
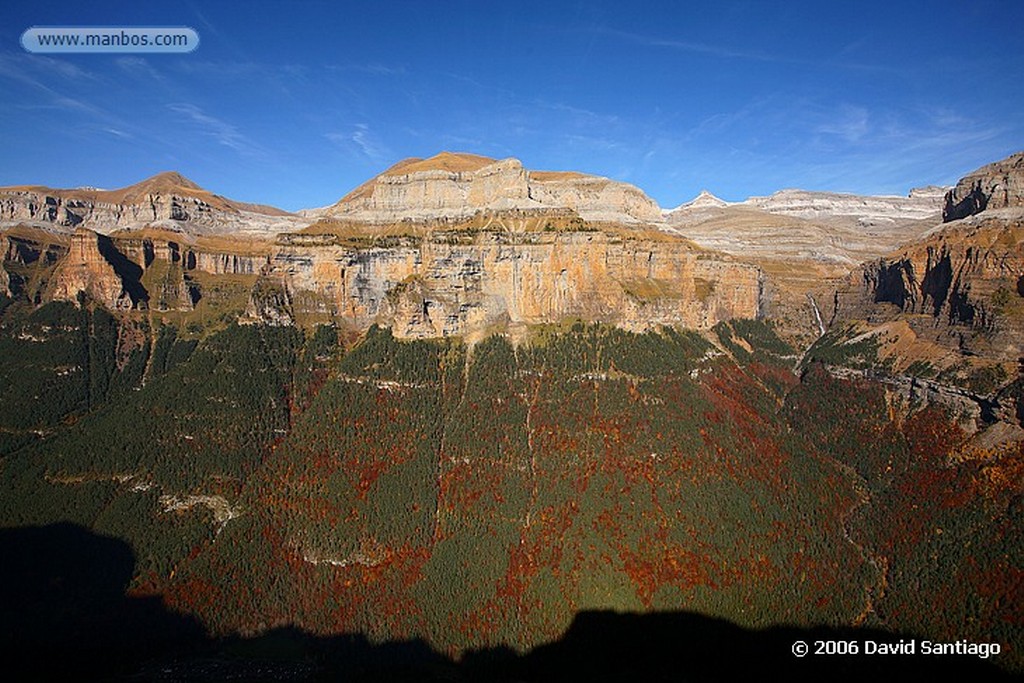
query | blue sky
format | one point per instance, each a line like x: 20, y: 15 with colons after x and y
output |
x: 295, y: 103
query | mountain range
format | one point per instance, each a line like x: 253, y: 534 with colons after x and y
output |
x: 796, y: 237
x: 469, y: 408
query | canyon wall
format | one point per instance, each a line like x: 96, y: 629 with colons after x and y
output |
x: 94, y: 267
x: 996, y: 186
x: 451, y: 283
x: 963, y: 284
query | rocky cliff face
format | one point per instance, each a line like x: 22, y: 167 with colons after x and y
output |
x: 967, y: 276
x: 804, y: 239
x: 964, y: 282
x: 865, y: 209
x: 93, y: 266
x: 146, y: 247
x: 29, y: 256
x: 453, y: 284
x: 458, y: 244
x: 5, y: 280
x: 168, y: 200
x: 149, y: 269
x: 798, y: 225
x: 458, y: 185
x: 593, y: 198
x: 995, y: 186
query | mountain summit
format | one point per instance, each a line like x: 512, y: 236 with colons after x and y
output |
x: 457, y: 185
x: 166, y: 200
x: 163, y: 182
x: 702, y: 201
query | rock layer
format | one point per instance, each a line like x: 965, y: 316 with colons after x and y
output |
x: 866, y: 209
x: 453, y: 284
x: 998, y: 185
x: 93, y: 266
x: 168, y: 200
x: 966, y: 278
x: 458, y: 185
x: 5, y: 280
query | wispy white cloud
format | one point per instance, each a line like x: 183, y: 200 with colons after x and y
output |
x: 579, y: 115
x: 41, y: 72
x: 139, y: 67
x: 696, y: 47
x: 52, y: 87
x: 373, y: 68
x: 362, y: 141
x: 60, y: 68
x: 118, y: 133
x: 477, y: 84
x: 222, y: 132
x: 591, y: 142
x: 850, y: 123
x: 722, y: 51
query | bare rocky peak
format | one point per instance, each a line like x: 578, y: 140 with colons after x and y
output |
x: 802, y: 226
x: 703, y: 200
x: 167, y: 200
x: 454, y: 185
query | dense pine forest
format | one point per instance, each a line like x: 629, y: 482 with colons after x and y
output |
x: 483, y: 496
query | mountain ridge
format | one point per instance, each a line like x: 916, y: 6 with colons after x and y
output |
x: 642, y: 209
x: 167, y: 199
x: 458, y: 243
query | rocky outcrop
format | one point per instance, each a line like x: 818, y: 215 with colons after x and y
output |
x: 145, y: 248
x: 996, y: 186
x: 175, y: 287
x: 796, y: 225
x: 28, y: 256
x: 167, y: 200
x: 704, y: 200
x: 972, y: 411
x: 595, y: 199
x: 961, y: 285
x: 270, y: 302
x: 454, y: 284
x: 94, y: 267
x: 459, y: 185
x: 5, y: 280
x: 221, y: 263
x: 865, y: 209
x: 806, y: 239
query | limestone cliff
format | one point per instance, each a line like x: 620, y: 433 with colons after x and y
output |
x: 5, y: 280
x: 94, y: 267
x: 238, y: 256
x: 964, y: 284
x: 458, y: 185
x: 594, y: 198
x: 29, y: 256
x: 799, y: 226
x: 865, y: 209
x: 126, y: 270
x: 168, y: 200
x: 995, y: 186
x: 966, y: 275
x: 170, y: 263
x: 457, y: 283
x: 458, y: 244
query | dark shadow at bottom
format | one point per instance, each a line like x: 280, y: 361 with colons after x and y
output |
x: 64, y: 616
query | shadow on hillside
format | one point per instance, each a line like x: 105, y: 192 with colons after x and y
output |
x: 63, y: 612
x: 63, y: 616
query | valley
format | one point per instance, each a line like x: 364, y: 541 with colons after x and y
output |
x: 470, y: 404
